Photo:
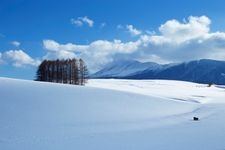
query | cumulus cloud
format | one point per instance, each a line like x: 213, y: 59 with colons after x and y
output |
x: 15, y: 43
x: 176, y: 41
x: 196, y: 27
x: 18, y: 58
x: 96, y: 53
x: 55, y: 46
x: 187, y: 40
x: 133, y: 31
x: 80, y: 21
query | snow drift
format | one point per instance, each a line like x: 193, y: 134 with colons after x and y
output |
x: 127, y: 115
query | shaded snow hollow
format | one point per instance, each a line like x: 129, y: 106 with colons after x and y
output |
x: 111, y: 115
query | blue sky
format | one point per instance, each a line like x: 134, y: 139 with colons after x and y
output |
x: 101, y: 31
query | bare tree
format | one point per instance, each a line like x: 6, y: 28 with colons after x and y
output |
x: 69, y: 71
x: 83, y: 72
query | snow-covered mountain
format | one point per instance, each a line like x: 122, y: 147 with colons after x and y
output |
x: 200, y: 71
x: 111, y: 114
x: 119, y: 69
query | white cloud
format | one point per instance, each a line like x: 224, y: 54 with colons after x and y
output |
x: 18, y: 58
x: 77, y: 22
x: 96, y: 53
x: 80, y: 21
x: 195, y: 27
x: 184, y: 41
x: 133, y: 31
x: 176, y: 41
x: 87, y: 21
x: 52, y: 45
x: 15, y: 43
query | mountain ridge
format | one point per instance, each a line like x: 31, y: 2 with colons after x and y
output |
x: 200, y: 71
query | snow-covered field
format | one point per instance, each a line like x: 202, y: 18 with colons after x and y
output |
x: 111, y: 115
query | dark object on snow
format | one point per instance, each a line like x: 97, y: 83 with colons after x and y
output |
x: 195, y: 118
x: 210, y: 84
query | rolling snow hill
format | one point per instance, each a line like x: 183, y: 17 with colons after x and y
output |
x: 111, y: 114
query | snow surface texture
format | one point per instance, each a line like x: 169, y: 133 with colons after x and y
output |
x: 111, y: 115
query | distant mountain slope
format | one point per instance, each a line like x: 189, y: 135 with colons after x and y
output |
x: 124, y: 68
x: 200, y: 71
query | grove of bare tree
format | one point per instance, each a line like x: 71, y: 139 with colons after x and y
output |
x: 68, y: 71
